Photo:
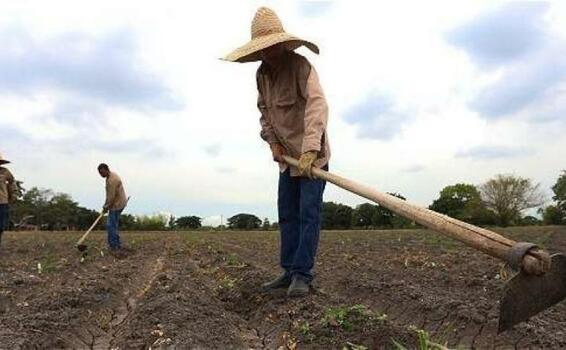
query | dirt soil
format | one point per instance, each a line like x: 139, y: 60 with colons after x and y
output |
x: 201, y: 290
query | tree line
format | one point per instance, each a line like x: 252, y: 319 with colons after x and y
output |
x: 44, y: 209
x: 500, y: 201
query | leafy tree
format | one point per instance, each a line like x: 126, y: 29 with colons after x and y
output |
x: 556, y: 214
x: 266, y: 225
x: 157, y: 222
x: 336, y: 216
x: 553, y: 215
x: 462, y: 202
x: 455, y: 201
x: 382, y: 217
x: 343, y: 217
x: 49, y: 210
x: 508, y: 195
x: 385, y: 218
x: 60, y: 212
x: 244, y: 221
x: 188, y: 222
x: 128, y: 222
x: 559, y: 190
x: 172, y: 222
x: 32, y: 205
x: 530, y: 220
x: 328, y: 211
x: 400, y: 222
x: 363, y: 214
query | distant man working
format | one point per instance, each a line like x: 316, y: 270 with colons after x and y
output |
x: 115, y: 203
x: 7, y: 194
x: 293, y: 122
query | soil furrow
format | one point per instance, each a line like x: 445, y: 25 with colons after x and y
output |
x: 200, y: 290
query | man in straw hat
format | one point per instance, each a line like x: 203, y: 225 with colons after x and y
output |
x: 7, y: 194
x: 293, y: 122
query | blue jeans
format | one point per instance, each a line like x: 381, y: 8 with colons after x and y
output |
x: 299, y: 204
x: 112, y: 228
x: 3, y: 218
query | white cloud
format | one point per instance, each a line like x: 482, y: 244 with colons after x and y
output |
x: 206, y: 158
x: 517, y: 42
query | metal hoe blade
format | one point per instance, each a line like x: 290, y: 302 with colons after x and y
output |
x: 526, y: 295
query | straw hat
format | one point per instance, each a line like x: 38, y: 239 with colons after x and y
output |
x: 2, y: 160
x: 267, y: 31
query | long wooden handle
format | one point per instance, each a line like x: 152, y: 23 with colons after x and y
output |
x: 80, y: 241
x: 94, y: 224
x: 479, y: 238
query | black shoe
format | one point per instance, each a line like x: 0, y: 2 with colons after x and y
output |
x: 298, y: 288
x: 282, y: 281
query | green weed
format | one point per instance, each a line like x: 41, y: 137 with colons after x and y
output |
x: 346, y: 317
x: 352, y: 346
x: 305, y: 328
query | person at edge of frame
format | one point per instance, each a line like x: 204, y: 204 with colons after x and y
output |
x: 7, y: 194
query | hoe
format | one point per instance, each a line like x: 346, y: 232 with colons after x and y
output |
x: 80, y: 245
x: 540, y: 281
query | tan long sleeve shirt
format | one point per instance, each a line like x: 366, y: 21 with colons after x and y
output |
x: 293, y: 108
x: 115, y: 194
x: 7, y: 183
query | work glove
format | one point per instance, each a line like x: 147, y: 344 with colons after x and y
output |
x: 305, y: 163
x: 278, y: 151
x: 104, y: 210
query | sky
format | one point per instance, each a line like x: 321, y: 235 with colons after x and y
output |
x: 421, y: 94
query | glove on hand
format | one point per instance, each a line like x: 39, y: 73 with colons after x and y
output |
x: 305, y: 163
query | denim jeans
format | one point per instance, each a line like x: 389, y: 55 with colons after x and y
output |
x: 299, y: 204
x: 112, y: 227
x: 3, y: 218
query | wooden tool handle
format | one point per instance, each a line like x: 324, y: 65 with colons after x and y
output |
x: 90, y: 228
x: 479, y: 238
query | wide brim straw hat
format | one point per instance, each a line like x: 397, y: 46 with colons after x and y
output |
x: 267, y: 31
x: 3, y: 160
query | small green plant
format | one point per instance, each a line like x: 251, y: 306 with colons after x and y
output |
x: 305, y: 328
x: 234, y: 261
x: 346, y: 317
x: 424, y: 342
x: 397, y: 345
x: 227, y: 282
x: 48, y: 264
x: 352, y: 346
x: 424, y: 339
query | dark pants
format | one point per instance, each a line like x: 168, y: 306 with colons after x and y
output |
x: 299, y: 204
x: 112, y: 228
x: 4, y: 217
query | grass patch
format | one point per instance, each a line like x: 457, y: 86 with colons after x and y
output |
x: 227, y: 282
x: 348, y: 317
x: 232, y: 260
x: 305, y: 328
x: 424, y: 341
x: 352, y: 346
